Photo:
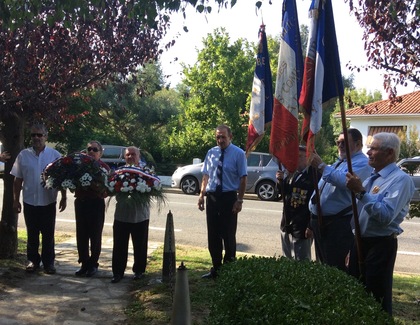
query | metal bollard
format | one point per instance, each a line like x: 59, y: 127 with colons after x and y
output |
x: 169, y: 261
x: 181, y: 309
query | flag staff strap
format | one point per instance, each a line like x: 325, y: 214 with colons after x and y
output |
x: 353, y: 197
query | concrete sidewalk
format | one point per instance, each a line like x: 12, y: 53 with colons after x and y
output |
x: 63, y: 298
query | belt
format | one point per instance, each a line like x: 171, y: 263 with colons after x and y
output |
x: 379, y: 238
x: 215, y: 194
x: 314, y: 216
x: 342, y: 213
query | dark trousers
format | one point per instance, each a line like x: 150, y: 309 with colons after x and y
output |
x: 90, y: 217
x: 379, y: 254
x: 221, y: 227
x: 139, y: 235
x: 333, y: 240
x: 40, y: 220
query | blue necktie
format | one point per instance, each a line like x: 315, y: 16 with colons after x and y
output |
x: 219, y: 174
x: 370, y: 181
x: 364, y: 221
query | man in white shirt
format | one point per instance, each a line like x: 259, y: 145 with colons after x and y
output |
x: 39, y: 203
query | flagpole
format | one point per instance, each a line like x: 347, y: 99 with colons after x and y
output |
x: 353, y: 197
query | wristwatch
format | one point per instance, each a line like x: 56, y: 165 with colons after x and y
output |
x: 360, y: 195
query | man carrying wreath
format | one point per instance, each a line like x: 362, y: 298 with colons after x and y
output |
x: 131, y: 218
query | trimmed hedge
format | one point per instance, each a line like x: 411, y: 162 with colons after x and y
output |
x: 261, y: 290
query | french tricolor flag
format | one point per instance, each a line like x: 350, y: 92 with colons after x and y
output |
x: 322, y: 80
x: 284, y: 139
x: 261, y: 109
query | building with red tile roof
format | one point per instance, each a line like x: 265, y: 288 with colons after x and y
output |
x: 382, y: 116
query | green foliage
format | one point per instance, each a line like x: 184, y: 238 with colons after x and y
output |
x: 332, y: 122
x: 259, y: 290
x: 352, y: 98
x: 218, y: 87
x: 414, y: 210
x: 128, y: 113
x: 410, y: 144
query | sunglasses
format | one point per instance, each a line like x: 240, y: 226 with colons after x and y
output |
x: 38, y: 135
x: 94, y: 149
x: 339, y: 143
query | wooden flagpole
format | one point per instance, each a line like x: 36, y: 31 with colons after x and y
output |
x: 353, y: 197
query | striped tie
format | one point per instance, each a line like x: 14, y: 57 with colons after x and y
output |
x: 219, y: 174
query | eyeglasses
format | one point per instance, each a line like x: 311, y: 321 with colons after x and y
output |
x: 94, y: 149
x: 38, y: 135
x: 339, y: 143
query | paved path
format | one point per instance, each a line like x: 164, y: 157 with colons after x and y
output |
x: 63, y: 298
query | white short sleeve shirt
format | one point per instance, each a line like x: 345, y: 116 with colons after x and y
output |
x: 29, y: 167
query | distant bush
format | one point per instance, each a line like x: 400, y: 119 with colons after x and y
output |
x: 414, y: 210
x: 258, y: 290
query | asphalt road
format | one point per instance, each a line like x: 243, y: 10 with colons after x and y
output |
x: 258, y: 227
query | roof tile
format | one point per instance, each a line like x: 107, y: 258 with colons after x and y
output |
x: 410, y: 104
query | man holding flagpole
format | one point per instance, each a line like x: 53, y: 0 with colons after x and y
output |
x: 322, y: 85
x: 383, y: 203
x: 331, y: 211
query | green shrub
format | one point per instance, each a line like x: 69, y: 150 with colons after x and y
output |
x: 258, y: 290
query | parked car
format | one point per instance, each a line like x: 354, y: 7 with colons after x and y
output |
x: 412, y: 167
x: 261, y: 178
x: 113, y: 156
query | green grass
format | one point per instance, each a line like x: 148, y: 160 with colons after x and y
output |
x: 20, y: 261
x: 406, y: 298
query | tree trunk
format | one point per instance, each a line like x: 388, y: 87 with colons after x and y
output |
x: 12, y: 136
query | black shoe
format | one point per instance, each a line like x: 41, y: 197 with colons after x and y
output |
x: 91, y: 271
x: 211, y: 275
x: 50, y: 269
x: 31, y: 267
x: 82, y: 271
x: 116, y: 278
x: 138, y: 276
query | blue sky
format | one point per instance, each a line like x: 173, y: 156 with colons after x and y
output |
x: 242, y: 21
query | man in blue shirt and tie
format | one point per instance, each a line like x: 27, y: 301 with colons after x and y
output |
x: 224, y: 183
x: 331, y: 216
x: 383, y: 202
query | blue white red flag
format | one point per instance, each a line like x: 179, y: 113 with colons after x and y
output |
x: 322, y: 80
x: 284, y: 139
x: 261, y: 110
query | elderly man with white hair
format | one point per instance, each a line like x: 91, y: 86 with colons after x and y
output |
x: 383, y: 202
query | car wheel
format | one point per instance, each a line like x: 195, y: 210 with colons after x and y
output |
x: 189, y: 185
x: 266, y: 191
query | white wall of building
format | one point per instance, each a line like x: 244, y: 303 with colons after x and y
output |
x: 363, y: 124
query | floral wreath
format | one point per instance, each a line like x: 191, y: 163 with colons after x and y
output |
x: 135, y: 185
x: 75, y: 171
